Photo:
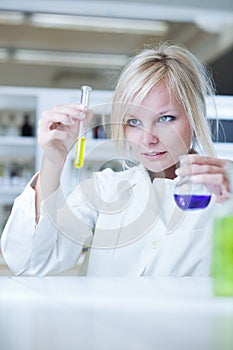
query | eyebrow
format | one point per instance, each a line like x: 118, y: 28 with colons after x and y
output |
x: 131, y: 116
x: 158, y: 114
x: 168, y: 111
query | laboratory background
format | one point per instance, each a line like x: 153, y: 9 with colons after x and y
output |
x: 49, y: 49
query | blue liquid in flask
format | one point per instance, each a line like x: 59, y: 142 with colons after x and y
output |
x: 192, y: 201
x: 189, y: 195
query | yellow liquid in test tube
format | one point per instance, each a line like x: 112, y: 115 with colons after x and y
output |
x: 79, y: 152
x: 81, y: 140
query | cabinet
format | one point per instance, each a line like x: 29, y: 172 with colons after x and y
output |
x: 17, y: 158
x: 17, y: 152
x: 20, y: 156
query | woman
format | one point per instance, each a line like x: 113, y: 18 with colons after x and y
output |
x: 128, y: 219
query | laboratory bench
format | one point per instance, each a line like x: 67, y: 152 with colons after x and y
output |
x: 88, y: 313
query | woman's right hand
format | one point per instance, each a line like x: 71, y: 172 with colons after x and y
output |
x: 58, y: 129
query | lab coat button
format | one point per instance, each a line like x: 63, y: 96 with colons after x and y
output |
x: 154, y: 244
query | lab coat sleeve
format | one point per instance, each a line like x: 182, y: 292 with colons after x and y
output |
x: 55, y: 243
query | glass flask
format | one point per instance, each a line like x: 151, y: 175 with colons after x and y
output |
x: 190, y: 196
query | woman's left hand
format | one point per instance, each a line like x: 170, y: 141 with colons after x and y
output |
x: 210, y: 171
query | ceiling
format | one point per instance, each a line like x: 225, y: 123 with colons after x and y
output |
x: 65, y: 44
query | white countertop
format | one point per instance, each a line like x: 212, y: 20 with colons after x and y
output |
x: 56, y: 313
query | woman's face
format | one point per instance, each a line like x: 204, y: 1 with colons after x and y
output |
x: 159, y: 132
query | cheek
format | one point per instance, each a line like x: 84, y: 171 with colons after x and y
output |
x: 131, y: 135
x: 177, y: 140
x: 182, y: 139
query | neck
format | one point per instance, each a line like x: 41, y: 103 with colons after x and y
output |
x: 167, y: 173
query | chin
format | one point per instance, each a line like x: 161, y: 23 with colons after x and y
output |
x: 166, y: 171
x: 154, y: 168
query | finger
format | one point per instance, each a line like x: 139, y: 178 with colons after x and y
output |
x: 195, y: 164
x: 204, y: 160
x: 58, y: 135
x: 69, y: 109
x: 193, y: 169
x: 45, y: 131
x: 85, y: 115
x: 52, y: 116
x: 63, y: 114
x: 76, y: 106
x: 212, y: 179
x: 55, y: 134
x: 51, y: 120
x: 223, y: 196
x: 72, y: 111
x: 88, y: 115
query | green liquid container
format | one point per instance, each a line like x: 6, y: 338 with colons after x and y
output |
x: 222, y: 257
x: 222, y: 248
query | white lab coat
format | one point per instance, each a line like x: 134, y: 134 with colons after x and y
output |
x: 132, y: 226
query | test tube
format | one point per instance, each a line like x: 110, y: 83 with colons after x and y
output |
x: 81, y: 140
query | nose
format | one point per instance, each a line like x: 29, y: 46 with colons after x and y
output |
x: 148, y: 138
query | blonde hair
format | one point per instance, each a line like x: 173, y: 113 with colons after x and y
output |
x: 181, y: 72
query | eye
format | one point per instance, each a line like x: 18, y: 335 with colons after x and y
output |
x: 134, y: 122
x: 166, y: 118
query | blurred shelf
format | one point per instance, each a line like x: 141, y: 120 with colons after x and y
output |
x: 17, y: 147
x: 12, y: 189
x: 17, y: 141
x: 224, y: 150
x: 9, y: 192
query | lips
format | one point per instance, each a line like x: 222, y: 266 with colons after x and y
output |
x: 153, y: 155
